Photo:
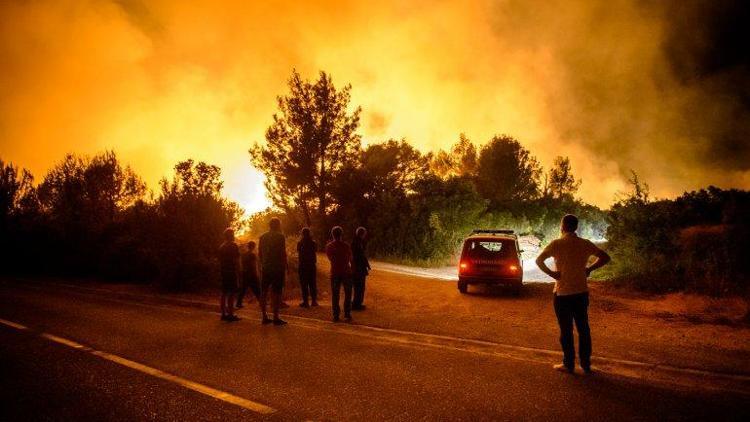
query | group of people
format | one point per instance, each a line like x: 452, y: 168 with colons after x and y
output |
x: 350, y: 267
x: 240, y: 271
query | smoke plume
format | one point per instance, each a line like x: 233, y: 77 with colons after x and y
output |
x: 660, y: 87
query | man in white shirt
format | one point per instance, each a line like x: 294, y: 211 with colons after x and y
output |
x: 571, y: 254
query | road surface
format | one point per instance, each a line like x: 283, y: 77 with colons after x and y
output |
x: 530, y: 271
x: 73, y: 354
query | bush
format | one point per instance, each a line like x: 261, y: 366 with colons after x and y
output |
x: 695, y: 242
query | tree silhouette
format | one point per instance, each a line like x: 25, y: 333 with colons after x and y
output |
x: 191, y: 216
x: 559, y: 182
x: 89, y: 192
x: 460, y: 161
x: 16, y: 191
x: 378, y: 182
x: 507, y: 172
x: 311, y: 139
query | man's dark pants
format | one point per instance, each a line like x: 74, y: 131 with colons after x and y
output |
x: 358, y: 284
x: 308, y: 283
x: 336, y: 283
x: 569, y: 309
x: 251, y: 283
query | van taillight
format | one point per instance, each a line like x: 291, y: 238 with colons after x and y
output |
x: 463, y: 265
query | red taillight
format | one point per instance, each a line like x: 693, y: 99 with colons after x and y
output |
x: 513, y: 268
x: 463, y: 265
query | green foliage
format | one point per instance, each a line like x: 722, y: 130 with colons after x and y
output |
x: 507, y: 172
x: 559, y: 182
x: 443, y: 212
x: 460, y: 161
x: 697, y: 241
x: 311, y: 139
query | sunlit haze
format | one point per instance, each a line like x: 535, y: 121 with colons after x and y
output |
x: 161, y: 81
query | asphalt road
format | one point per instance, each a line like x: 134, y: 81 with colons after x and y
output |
x: 65, y: 355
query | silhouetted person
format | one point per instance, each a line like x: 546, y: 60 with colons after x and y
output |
x: 340, y: 256
x: 273, y: 263
x: 572, y: 254
x: 229, y: 262
x: 250, y: 279
x: 306, y: 251
x: 360, y: 268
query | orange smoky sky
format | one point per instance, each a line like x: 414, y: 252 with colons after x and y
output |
x: 608, y: 84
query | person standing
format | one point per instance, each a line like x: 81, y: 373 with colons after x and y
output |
x: 250, y: 278
x: 340, y: 255
x: 229, y: 263
x: 360, y: 268
x: 273, y: 263
x: 307, y: 250
x: 571, y: 254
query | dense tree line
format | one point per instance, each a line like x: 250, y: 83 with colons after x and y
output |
x: 417, y: 207
x: 92, y: 217
x: 95, y: 217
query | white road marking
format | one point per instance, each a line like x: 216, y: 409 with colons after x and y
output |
x: 66, y: 342
x: 203, y: 389
x: 654, y: 372
x: 186, y: 383
x: 13, y: 324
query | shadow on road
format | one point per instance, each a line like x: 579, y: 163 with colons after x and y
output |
x: 529, y: 290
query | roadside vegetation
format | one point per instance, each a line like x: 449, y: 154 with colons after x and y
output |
x: 696, y: 242
x: 93, y: 216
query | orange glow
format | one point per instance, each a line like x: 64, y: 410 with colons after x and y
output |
x: 464, y: 265
x: 165, y: 80
x: 513, y: 268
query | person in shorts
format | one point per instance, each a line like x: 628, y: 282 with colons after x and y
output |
x: 250, y: 279
x: 229, y: 263
x: 273, y: 264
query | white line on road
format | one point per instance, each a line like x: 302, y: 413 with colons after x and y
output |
x: 13, y: 324
x: 203, y: 389
x: 633, y: 369
x: 64, y: 341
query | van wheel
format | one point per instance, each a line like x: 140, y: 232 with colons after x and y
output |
x: 463, y: 287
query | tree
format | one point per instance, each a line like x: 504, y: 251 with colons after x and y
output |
x: 444, y: 213
x: 378, y: 183
x: 310, y: 140
x: 507, y: 172
x: 89, y: 192
x: 393, y: 165
x: 638, y: 194
x: 191, y: 216
x: 559, y: 182
x: 16, y: 190
x: 466, y: 155
x: 61, y: 193
x: 461, y: 161
x: 109, y: 187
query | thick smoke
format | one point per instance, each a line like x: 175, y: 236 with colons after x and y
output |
x: 660, y: 87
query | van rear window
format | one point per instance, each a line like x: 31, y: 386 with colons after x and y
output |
x: 489, y: 249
